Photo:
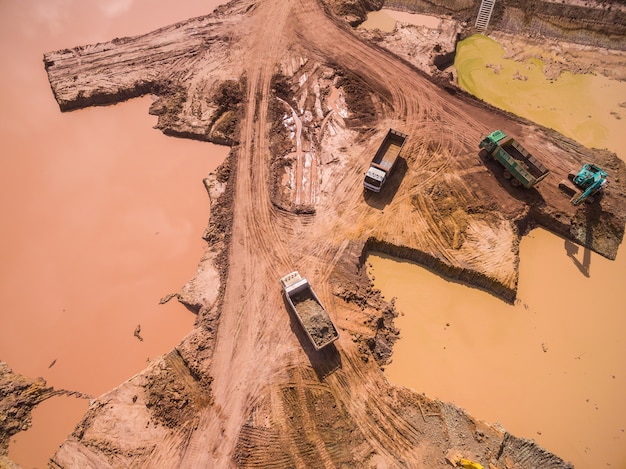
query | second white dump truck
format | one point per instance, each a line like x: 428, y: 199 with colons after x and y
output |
x: 309, y: 310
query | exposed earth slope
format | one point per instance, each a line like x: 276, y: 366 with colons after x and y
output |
x: 305, y: 104
x: 19, y: 395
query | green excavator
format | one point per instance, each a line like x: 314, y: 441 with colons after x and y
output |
x: 588, y: 182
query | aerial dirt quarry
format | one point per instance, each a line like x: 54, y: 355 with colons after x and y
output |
x: 305, y: 103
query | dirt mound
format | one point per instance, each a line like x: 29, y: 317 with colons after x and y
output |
x: 19, y: 395
x: 353, y: 12
x: 170, y: 399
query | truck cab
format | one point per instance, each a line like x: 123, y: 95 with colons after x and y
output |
x: 490, y: 142
x: 374, y: 179
x: 384, y: 160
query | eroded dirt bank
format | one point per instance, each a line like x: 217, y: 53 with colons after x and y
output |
x: 305, y: 104
x: 19, y: 395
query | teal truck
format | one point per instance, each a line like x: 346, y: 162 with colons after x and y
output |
x: 520, y: 167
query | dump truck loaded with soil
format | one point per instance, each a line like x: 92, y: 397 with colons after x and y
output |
x: 384, y: 160
x: 308, y: 309
x: 520, y: 167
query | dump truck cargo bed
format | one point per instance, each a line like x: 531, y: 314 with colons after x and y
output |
x: 389, y: 150
x: 309, y: 311
x: 524, y: 158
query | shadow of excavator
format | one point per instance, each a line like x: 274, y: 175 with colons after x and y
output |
x: 572, y: 249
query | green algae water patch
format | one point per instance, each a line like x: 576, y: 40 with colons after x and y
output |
x: 588, y: 108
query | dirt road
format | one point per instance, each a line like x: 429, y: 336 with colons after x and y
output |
x: 245, y: 388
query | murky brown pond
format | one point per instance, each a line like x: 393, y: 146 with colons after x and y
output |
x: 385, y: 20
x: 102, y: 216
x: 550, y: 368
x: 588, y: 108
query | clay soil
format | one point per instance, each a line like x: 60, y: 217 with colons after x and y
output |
x: 316, y: 321
x: 305, y: 103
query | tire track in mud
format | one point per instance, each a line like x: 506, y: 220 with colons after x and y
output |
x: 430, y: 109
x: 260, y: 219
x: 389, y: 433
x: 307, y: 424
x: 252, y: 257
x: 377, y: 420
x: 330, y: 39
x: 413, y: 98
x: 284, y: 432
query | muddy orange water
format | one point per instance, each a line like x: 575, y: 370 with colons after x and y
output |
x: 594, y: 118
x: 550, y: 368
x: 101, y: 216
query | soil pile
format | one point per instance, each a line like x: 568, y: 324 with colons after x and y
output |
x: 316, y: 321
x: 19, y: 395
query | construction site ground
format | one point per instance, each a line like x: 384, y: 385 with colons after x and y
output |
x: 305, y: 103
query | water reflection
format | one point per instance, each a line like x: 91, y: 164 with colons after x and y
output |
x: 385, y: 20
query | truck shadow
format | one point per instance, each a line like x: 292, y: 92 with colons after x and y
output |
x: 379, y: 200
x: 324, y: 361
x: 530, y: 196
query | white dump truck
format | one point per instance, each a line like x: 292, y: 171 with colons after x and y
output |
x: 384, y: 160
x: 309, y: 310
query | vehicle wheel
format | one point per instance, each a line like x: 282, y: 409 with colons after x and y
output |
x: 507, y: 175
x: 515, y: 183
